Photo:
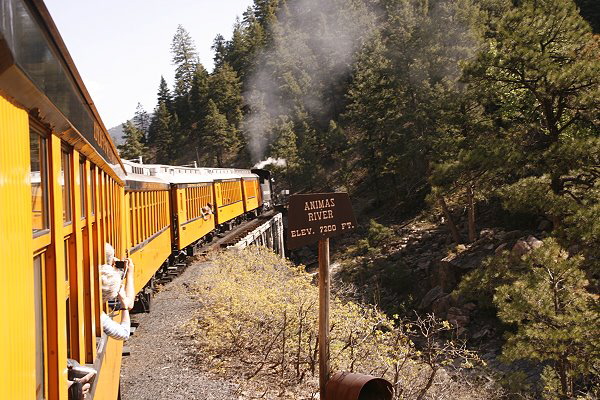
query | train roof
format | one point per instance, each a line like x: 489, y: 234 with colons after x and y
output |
x: 182, y: 175
x: 38, y: 73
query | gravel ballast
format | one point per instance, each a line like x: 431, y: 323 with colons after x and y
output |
x: 161, y: 364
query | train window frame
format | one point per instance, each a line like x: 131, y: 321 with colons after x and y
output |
x: 83, y: 182
x: 93, y: 188
x: 40, y: 322
x: 35, y: 129
x: 66, y: 171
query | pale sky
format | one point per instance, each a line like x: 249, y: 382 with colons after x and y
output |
x: 122, y: 47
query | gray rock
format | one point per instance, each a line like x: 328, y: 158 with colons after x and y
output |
x: 501, y: 248
x: 487, y: 232
x: 534, y: 242
x: 484, y: 331
x: 430, y: 297
x: 520, y: 248
x: 441, y: 305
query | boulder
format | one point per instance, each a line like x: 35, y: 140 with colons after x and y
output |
x: 534, y: 242
x: 458, y: 321
x: 520, y: 248
x: 430, y: 297
x: 484, y: 331
x: 457, y: 317
x: 441, y: 305
x: 487, y: 232
x: 501, y: 248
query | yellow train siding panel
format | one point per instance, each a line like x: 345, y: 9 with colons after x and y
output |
x: 17, y: 349
x: 150, y: 257
x: 231, y: 211
x: 107, y: 386
x: 192, y: 231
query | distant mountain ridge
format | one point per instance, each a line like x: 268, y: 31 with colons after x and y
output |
x: 116, y: 133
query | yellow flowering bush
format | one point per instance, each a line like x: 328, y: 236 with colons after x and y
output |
x: 258, y: 322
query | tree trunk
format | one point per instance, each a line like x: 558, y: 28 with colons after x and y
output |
x: 423, y: 391
x: 562, y: 373
x: 449, y: 221
x: 471, y: 214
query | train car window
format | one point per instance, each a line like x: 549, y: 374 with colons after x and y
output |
x: 82, y: 187
x: 38, y: 268
x: 65, y: 182
x: 93, y: 188
x: 39, y: 182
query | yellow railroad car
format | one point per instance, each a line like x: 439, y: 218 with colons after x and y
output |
x: 251, y: 193
x: 204, y: 199
x: 148, y: 236
x: 192, y: 199
x: 61, y: 201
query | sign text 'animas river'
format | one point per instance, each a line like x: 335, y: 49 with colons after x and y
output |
x: 316, y: 216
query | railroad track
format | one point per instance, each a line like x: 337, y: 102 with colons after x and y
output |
x: 236, y: 234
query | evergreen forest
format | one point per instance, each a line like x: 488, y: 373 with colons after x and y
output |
x: 457, y: 107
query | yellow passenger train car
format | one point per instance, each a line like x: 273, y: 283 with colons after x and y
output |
x: 204, y: 201
x: 148, y: 233
x: 64, y: 193
x: 61, y: 200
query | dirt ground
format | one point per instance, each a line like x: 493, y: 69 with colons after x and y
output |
x: 161, y: 361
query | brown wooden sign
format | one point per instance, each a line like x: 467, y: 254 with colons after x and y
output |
x: 316, y: 216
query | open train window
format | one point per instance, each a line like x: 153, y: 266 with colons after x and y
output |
x: 39, y: 182
x: 65, y: 182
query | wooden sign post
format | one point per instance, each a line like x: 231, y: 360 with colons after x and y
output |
x: 317, y: 217
x: 324, y: 291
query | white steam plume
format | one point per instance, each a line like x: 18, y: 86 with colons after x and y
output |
x: 314, y: 44
x: 278, y: 162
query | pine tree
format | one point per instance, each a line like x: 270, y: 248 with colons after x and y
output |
x: 199, y: 94
x: 219, y: 46
x: 132, y: 147
x: 163, y: 132
x: 164, y: 94
x: 226, y: 92
x: 220, y: 139
x: 142, y: 120
x: 555, y: 317
x: 185, y: 59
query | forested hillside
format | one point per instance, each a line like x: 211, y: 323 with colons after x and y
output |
x: 414, y: 104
